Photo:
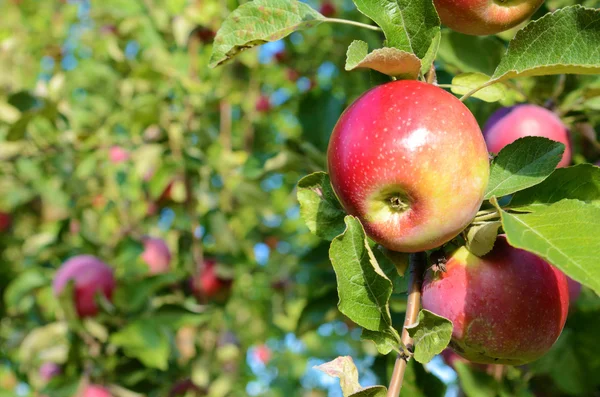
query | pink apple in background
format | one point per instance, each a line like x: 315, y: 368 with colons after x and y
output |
x: 156, y: 255
x: 408, y: 159
x: 507, y: 125
x: 91, y: 276
x: 484, y: 17
x: 49, y: 370
x: 208, y: 284
x: 327, y: 9
x: 95, y: 391
x: 5, y: 221
x: 507, y: 307
x: 263, y: 354
x: 574, y: 290
x: 263, y: 104
x: 118, y: 155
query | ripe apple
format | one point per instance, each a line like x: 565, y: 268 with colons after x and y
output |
x: 507, y: 125
x: 483, y: 17
x: 208, y: 284
x: 507, y: 307
x: 95, y: 391
x: 118, y: 155
x: 5, y: 221
x: 408, y: 159
x: 327, y: 9
x: 156, y: 255
x: 91, y: 276
x: 263, y: 104
x: 49, y: 370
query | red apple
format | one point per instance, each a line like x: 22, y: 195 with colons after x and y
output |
x: 507, y: 125
x: 95, y: 391
x: 118, y: 155
x: 483, y: 17
x: 262, y: 353
x: 409, y: 160
x: 91, y: 276
x: 5, y: 221
x: 204, y: 34
x: 49, y: 370
x: 156, y: 255
x: 263, y: 104
x: 327, y: 9
x: 208, y: 284
x: 507, y: 307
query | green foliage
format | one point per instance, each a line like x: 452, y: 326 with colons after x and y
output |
x: 431, y: 335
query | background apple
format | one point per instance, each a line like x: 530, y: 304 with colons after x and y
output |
x: 263, y: 104
x: 5, y: 221
x: 208, y: 284
x: 409, y: 160
x: 156, y: 255
x: 49, y: 370
x: 507, y: 307
x: 118, y: 155
x: 91, y: 276
x: 483, y: 17
x: 95, y: 391
x: 327, y: 9
x: 507, y: 125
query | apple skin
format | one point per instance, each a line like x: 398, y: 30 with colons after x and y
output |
x: 409, y: 160
x: 507, y: 125
x: 118, y: 155
x: 49, y: 370
x: 263, y: 104
x: 263, y: 354
x: 5, y: 221
x: 484, y: 17
x: 91, y: 276
x: 327, y: 9
x: 208, y: 284
x: 95, y: 391
x: 156, y: 255
x: 507, y: 307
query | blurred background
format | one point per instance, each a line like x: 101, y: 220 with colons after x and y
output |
x: 113, y: 130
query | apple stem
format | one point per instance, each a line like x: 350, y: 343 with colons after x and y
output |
x: 417, y: 266
x: 487, y: 217
x: 354, y: 23
x: 474, y: 90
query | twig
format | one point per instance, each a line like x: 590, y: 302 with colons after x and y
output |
x: 354, y: 23
x: 225, y: 125
x: 418, y: 263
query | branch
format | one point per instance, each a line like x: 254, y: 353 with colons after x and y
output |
x: 354, y: 23
x: 418, y: 263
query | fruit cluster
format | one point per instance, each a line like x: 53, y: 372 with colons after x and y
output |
x: 409, y: 160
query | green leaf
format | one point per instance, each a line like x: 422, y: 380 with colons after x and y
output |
x: 145, y: 340
x: 475, y: 383
x: 565, y: 41
x: 431, y: 335
x: 319, y: 206
x: 464, y: 52
x: 410, y: 26
x: 418, y: 382
x: 580, y: 182
x: 18, y: 296
x: 363, y: 288
x: 132, y: 295
x: 429, y: 57
x: 344, y: 369
x: 466, y: 82
x: 49, y: 342
x: 481, y: 238
x: 522, y: 164
x: 566, y: 234
x: 390, y: 61
x: 385, y: 341
x: 258, y: 22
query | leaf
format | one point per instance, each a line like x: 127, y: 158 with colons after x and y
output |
x: 429, y: 57
x: 580, y: 182
x: 344, y: 369
x: 390, y: 61
x: 18, y: 296
x: 409, y: 26
x: 363, y: 288
x: 474, y: 382
x: 418, y: 382
x: 464, y: 52
x: 566, y: 234
x: 385, y: 341
x: 481, y: 238
x: 466, y: 82
x: 145, y: 340
x: 320, y: 208
x: 431, y: 335
x: 258, y: 22
x: 49, y: 342
x: 522, y: 164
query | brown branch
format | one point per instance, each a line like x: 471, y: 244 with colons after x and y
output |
x: 225, y: 108
x: 418, y: 263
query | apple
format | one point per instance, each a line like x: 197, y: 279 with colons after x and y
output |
x: 182, y: 387
x: 484, y: 17
x: 208, y: 284
x: 507, y: 307
x: 263, y: 354
x: 156, y: 255
x: 204, y: 34
x: 263, y: 104
x: 118, y: 155
x: 95, y: 391
x: 327, y: 9
x: 507, y: 125
x: 49, y: 370
x: 91, y: 276
x: 5, y: 221
x: 409, y: 160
